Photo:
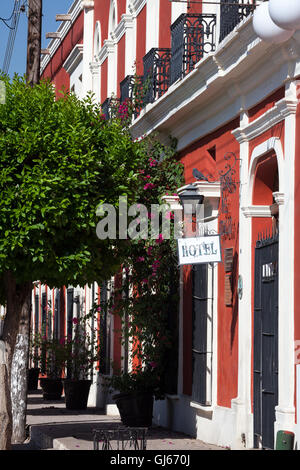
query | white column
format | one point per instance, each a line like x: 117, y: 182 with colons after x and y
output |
x: 130, y: 44
x: 152, y: 24
x: 242, y: 403
x: 111, y: 67
x: 96, y: 80
x: 177, y: 9
x: 88, y: 41
x: 285, y: 411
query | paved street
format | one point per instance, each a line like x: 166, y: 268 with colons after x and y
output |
x: 52, y: 426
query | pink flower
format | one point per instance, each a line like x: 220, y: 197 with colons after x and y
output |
x: 169, y: 216
x: 75, y: 321
x: 159, y: 239
x: 149, y: 186
x: 145, y: 281
x: 150, y: 248
x: 140, y: 259
x: 152, y: 162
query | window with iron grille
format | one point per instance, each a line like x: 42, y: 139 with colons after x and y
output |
x: 232, y: 13
x: 202, y: 276
x: 104, y: 330
x: 192, y: 36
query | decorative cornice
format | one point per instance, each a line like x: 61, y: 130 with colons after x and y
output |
x: 273, y: 116
x: 136, y: 6
x: 257, y: 211
x: 63, y: 29
x: 94, y: 68
x: 74, y: 58
x: 126, y: 23
x: 279, y: 198
x: 87, y: 4
x: 107, y: 48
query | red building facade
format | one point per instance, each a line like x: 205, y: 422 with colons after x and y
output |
x: 231, y: 101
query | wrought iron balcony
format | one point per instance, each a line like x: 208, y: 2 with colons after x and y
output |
x: 231, y: 14
x: 192, y: 36
x: 156, y: 78
x: 126, y: 88
x: 109, y: 107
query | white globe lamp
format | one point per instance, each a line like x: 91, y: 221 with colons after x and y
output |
x: 285, y: 13
x: 266, y: 29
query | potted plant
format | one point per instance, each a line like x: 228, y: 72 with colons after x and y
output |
x: 34, y: 371
x: 147, y: 299
x: 136, y: 392
x: 52, y: 361
x: 80, y: 356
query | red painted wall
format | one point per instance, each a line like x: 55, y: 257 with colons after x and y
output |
x: 54, y: 70
x: 104, y: 71
x: 165, y: 8
x: 266, y: 104
x: 121, y: 63
x: 140, y: 40
x: 198, y: 156
x: 101, y: 13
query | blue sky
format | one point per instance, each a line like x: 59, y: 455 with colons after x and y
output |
x: 18, y: 60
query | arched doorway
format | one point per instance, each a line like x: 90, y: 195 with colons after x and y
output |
x: 265, y: 314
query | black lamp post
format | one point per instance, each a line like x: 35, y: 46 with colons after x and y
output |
x: 190, y: 198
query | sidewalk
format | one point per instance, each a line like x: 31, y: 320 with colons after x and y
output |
x: 53, y: 427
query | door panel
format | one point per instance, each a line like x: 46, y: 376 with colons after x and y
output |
x: 265, y: 365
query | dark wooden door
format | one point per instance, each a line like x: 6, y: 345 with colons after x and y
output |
x: 265, y: 365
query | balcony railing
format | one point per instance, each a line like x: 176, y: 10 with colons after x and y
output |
x: 156, y: 78
x: 192, y: 36
x: 109, y: 107
x: 231, y: 14
x: 126, y: 88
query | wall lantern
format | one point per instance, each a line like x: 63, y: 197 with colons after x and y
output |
x: 266, y: 29
x: 190, y: 197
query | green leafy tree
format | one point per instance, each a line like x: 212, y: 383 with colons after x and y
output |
x: 58, y: 160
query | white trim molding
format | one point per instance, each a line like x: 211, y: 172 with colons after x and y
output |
x: 257, y: 211
x: 63, y: 29
x: 275, y: 115
x: 74, y: 58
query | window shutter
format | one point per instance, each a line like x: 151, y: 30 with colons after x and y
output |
x: 199, y: 341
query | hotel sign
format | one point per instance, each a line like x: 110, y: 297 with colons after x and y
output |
x: 199, y: 250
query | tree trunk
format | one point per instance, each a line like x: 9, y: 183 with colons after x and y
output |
x: 16, y: 297
x: 5, y: 410
x: 19, y: 376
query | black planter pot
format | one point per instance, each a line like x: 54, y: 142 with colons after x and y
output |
x: 136, y: 409
x: 52, y: 388
x: 76, y: 393
x: 33, y: 378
